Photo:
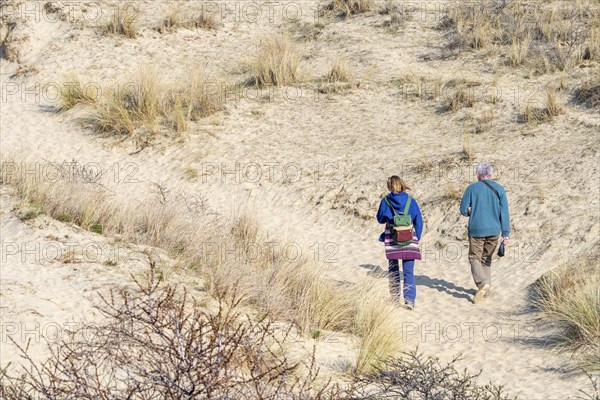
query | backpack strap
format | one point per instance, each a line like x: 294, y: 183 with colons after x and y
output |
x: 407, y: 206
x: 491, y: 188
x: 390, y: 205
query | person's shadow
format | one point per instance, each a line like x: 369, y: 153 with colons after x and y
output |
x: 442, y: 285
x: 375, y: 270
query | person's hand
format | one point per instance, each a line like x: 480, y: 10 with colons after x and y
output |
x: 505, y: 240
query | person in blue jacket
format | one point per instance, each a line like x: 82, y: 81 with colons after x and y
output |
x: 486, y: 205
x: 408, y: 254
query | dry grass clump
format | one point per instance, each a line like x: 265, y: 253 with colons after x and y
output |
x: 377, y: 327
x: 124, y: 110
x: 338, y: 72
x: 345, y: 8
x: 25, y: 70
x: 74, y: 92
x: 307, y: 31
x: 589, y: 92
x: 520, y: 50
x: 568, y: 296
x: 338, y: 78
x: 278, y: 280
x: 175, y: 20
x: 472, y: 25
x: 147, y: 104
x: 552, y: 109
x: 458, y: 99
x: 413, y: 86
x: 276, y: 63
x: 457, y: 94
x: 545, y: 36
x: 397, y: 15
x: 122, y: 23
x: 156, y: 342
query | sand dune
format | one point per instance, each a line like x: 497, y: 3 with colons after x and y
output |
x: 312, y: 165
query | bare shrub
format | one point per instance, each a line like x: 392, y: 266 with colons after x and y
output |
x: 156, y: 342
x: 414, y: 376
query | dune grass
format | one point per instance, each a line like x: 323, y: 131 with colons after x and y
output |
x: 544, y: 36
x: 148, y: 103
x: 74, y: 92
x: 570, y: 297
x: 377, y: 327
x: 345, y: 8
x: 275, y: 63
x: 122, y: 23
x: 551, y: 109
x: 190, y: 20
x: 339, y: 72
x: 233, y: 256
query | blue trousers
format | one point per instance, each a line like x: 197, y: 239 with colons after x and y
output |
x: 409, y: 291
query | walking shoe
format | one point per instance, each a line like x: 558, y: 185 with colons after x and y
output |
x: 481, y: 292
x: 488, y: 293
x: 409, y: 306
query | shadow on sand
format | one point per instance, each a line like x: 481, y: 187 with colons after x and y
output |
x: 441, y: 285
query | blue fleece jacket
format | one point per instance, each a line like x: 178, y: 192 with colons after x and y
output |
x: 398, y: 201
x: 489, y: 215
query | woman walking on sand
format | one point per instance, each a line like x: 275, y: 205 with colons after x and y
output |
x: 398, y: 204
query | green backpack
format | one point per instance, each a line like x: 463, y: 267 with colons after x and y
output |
x: 402, y: 227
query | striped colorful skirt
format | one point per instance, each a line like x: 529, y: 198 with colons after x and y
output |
x: 395, y: 252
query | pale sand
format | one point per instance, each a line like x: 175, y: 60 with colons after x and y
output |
x: 356, y: 140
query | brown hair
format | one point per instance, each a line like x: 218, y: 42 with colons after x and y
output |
x: 396, y: 184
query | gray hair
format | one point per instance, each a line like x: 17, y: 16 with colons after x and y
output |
x: 484, y: 169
